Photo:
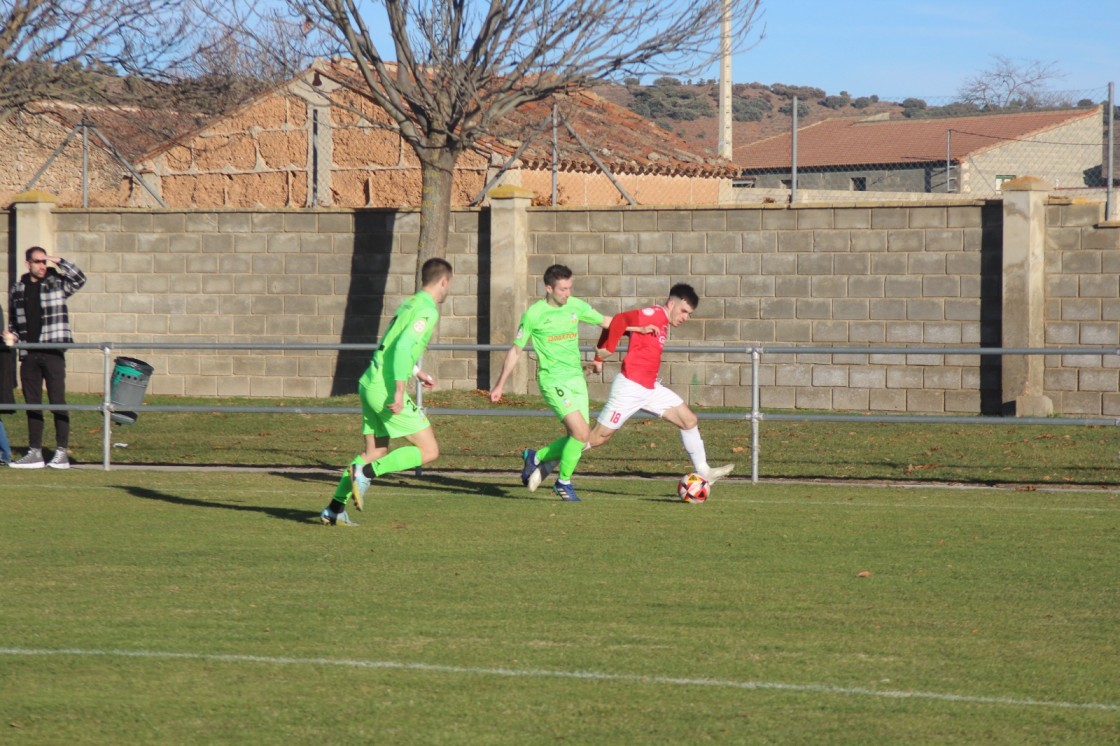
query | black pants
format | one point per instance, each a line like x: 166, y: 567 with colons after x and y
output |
x: 47, y: 366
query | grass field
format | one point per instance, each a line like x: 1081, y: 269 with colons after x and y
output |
x: 142, y: 606
x: 984, y: 453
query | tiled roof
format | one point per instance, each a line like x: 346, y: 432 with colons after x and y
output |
x: 130, y: 130
x: 854, y: 141
x: 622, y: 140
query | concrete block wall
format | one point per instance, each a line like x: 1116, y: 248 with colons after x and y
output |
x: 838, y: 275
x: 245, y: 276
x: 1082, y: 309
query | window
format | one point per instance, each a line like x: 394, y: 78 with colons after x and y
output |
x: 747, y: 182
x: 859, y: 184
x: 1002, y: 179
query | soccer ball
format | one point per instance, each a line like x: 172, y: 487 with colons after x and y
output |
x: 693, y: 488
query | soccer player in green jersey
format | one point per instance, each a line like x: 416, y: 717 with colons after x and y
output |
x: 387, y: 410
x: 552, y: 323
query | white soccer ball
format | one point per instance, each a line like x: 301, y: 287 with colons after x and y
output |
x: 693, y: 488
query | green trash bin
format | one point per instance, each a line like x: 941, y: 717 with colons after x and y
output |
x: 127, y: 388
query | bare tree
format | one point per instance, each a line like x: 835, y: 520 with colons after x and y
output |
x: 51, y: 49
x: 1010, y: 85
x: 241, y: 47
x: 461, y: 66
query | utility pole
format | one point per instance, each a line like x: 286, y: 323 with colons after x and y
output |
x: 725, y: 148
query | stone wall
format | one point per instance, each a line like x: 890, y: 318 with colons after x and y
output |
x: 915, y: 274
x: 1082, y: 309
x: 922, y: 275
x: 29, y: 141
x: 255, y: 277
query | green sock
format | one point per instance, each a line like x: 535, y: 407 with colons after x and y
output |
x: 342, y: 491
x: 401, y: 459
x: 553, y: 451
x: 573, y: 449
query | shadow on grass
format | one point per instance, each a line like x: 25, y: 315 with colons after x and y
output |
x: 427, y: 482
x: 285, y: 514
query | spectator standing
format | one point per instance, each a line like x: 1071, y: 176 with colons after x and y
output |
x: 38, y: 313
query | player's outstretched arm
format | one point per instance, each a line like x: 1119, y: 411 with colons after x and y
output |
x: 510, y: 363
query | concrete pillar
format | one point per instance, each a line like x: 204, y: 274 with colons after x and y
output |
x: 1024, y: 296
x: 34, y: 223
x: 509, y: 267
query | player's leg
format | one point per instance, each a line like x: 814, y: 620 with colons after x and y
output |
x: 353, y: 483
x: 600, y: 435
x: 625, y: 399
x: 579, y: 434
x: 685, y: 419
x: 424, y: 449
x: 563, y: 397
x: 413, y: 424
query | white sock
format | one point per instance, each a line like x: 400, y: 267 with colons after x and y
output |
x: 694, y: 447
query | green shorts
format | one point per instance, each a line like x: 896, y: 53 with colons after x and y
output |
x: 566, y: 395
x: 378, y: 420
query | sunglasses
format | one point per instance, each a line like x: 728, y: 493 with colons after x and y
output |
x: 38, y: 261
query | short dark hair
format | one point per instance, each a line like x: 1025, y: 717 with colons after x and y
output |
x: 30, y: 252
x: 434, y: 270
x: 683, y: 291
x: 556, y: 272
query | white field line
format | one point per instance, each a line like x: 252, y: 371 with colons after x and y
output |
x: 532, y: 673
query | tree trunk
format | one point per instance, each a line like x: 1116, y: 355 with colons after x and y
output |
x: 436, y: 174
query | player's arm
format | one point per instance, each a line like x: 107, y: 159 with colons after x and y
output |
x: 612, y: 333
x: 420, y: 344
x: 405, y: 351
x: 512, y: 356
x: 397, y: 405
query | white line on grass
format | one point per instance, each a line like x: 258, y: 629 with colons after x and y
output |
x: 536, y: 673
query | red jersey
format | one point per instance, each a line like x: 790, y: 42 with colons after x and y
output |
x: 643, y: 357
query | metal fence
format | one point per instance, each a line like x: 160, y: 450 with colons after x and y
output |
x: 755, y: 416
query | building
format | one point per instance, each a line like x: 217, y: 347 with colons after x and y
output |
x: 315, y: 141
x: 971, y: 155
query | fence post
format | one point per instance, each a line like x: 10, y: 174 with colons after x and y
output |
x: 509, y: 267
x: 756, y: 413
x: 34, y: 221
x: 1024, y: 296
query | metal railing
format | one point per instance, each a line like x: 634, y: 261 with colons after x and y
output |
x: 755, y: 415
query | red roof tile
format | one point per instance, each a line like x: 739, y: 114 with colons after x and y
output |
x: 855, y: 141
x: 622, y: 140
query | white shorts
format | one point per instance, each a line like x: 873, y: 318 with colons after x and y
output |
x: 627, y: 398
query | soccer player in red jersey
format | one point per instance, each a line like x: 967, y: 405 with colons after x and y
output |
x: 637, y: 388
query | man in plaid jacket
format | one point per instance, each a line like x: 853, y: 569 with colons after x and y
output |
x: 37, y: 312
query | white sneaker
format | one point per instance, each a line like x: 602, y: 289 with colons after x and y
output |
x: 359, y: 483
x: 715, y: 473
x: 327, y: 518
x: 60, y: 460
x: 33, y: 459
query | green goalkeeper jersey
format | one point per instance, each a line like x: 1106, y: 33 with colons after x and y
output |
x: 555, y: 334
x: 404, y: 341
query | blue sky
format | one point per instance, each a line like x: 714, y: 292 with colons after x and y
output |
x: 900, y: 48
